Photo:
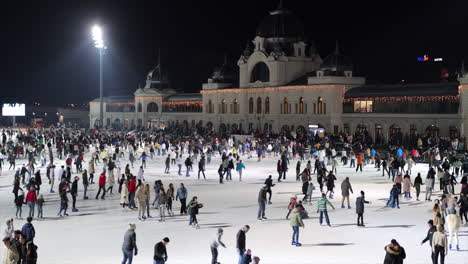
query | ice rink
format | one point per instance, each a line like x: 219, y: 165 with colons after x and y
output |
x: 95, y: 233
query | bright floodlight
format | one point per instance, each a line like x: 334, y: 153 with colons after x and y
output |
x: 96, y: 33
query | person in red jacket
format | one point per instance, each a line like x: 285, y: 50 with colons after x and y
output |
x: 31, y: 199
x: 359, y: 161
x: 102, y: 185
x: 131, y: 192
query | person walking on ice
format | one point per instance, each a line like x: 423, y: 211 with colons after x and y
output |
x: 296, y: 222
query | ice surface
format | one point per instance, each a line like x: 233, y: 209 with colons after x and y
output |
x: 95, y: 233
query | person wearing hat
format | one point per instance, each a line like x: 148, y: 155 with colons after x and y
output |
x: 360, y: 201
x: 129, y: 246
x: 74, y: 193
x: 214, y: 246
x: 160, y: 252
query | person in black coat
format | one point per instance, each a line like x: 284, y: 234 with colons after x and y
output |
x: 160, y: 252
x: 395, y: 254
x: 360, y: 201
x: 269, y: 184
x: 201, y: 167
x: 74, y: 193
x: 430, y: 233
x: 240, y: 242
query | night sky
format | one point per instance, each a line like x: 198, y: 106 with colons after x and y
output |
x: 48, y: 55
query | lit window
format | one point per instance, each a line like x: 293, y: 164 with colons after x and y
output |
x: 363, y: 106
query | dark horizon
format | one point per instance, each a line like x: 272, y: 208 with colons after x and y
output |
x: 50, y: 57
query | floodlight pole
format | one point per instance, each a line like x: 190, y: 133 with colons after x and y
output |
x: 101, y: 99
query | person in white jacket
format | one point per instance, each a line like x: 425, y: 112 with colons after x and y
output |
x: 439, y: 245
x: 453, y: 222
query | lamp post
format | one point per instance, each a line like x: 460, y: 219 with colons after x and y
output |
x: 96, y: 33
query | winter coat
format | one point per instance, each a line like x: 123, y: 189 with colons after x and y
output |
x: 129, y: 243
x: 181, y: 193
x: 31, y: 196
x: 429, y: 183
x: 360, y: 201
x: 124, y: 195
x: 19, y: 200
x: 453, y: 221
x: 102, y: 179
x: 91, y: 166
x: 132, y: 186
x: 140, y: 194
x: 406, y: 184
x: 28, y: 231
x: 439, y: 239
x: 159, y: 251
x: 310, y: 189
x: 292, y: 203
x: 11, y: 255
x: 296, y: 219
x: 346, y: 187
x: 240, y: 240
x: 322, y: 204
x: 394, y: 254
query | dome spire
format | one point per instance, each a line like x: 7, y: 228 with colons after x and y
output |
x: 280, y: 5
x: 337, y: 49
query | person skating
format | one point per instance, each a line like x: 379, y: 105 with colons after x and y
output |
x: 291, y: 205
x: 201, y: 168
x: 124, y: 195
x: 269, y: 183
x: 63, y: 200
x: 140, y: 196
x: 262, y: 200
x: 31, y: 199
x: 310, y: 190
x: 453, y: 223
x: 182, y: 195
x: 417, y: 185
x: 131, y: 192
x: 345, y: 189
x: 395, y: 254
x: 360, y: 201
x: 19, y: 201
x: 129, y: 247
x: 240, y: 167
x: 194, y: 206
x: 214, y: 246
x: 322, y: 208
x: 330, y: 180
x: 102, y: 186
x: 28, y: 229
x: 162, y: 197
x: 430, y: 233
x: 439, y: 245
x: 241, y: 242
x: 429, y: 185
x: 296, y: 222
x: 168, y: 164
x: 160, y: 251
x: 11, y: 255
x: 169, y: 199
x: 9, y: 229
x: 40, y: 203
x: 74, y: 193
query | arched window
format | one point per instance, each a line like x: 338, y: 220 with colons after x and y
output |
x: 260, y: 72
x: 152, y: 107
x: 210, y: 106
x: 267, y: 105
x: 259, y: 105
x: 235, y: 106
x: 320, y: 108
x: 251, y: 105
x: 301, y: 106
x: 285, y: 106
x: 223, y: 106
x: 140, y: 107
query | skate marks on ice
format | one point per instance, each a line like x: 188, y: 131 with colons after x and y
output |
x: 391, y: 226
x: 216, y: 225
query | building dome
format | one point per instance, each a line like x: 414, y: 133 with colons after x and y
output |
x: 281, y: 29
x: 281, y: 24
x: 336, y: 63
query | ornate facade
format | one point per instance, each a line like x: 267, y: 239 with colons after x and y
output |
x: 282, y: 83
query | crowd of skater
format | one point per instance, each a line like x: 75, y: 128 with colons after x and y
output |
x: 120, y: 159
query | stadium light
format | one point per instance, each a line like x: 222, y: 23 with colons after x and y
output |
x: 97, y: 35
